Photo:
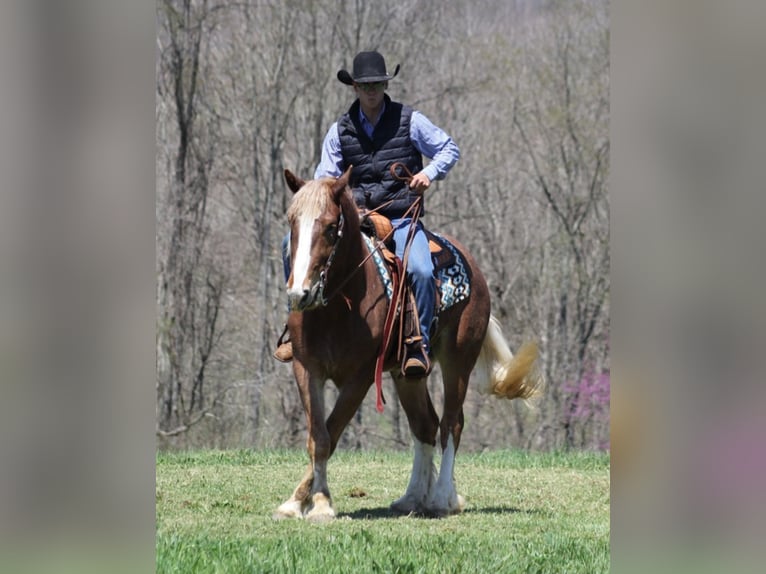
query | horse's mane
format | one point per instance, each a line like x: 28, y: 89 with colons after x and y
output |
x: 350, y: 211
x: 310, y: 200
x: 314, y: 197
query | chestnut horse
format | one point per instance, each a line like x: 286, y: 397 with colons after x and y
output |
x: 338, y: 308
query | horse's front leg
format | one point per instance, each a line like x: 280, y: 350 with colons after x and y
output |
x: 319, y: 507
x: 311, y: 498
x: 353, y: 389
x: 297, y: 504
x: 307, y: 500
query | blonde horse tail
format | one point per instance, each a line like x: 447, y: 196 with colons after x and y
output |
x: 501, y: 373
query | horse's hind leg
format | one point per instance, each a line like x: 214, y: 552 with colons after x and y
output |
x: 458, y: 352
x: 423, y: 424
x: 443, y: 498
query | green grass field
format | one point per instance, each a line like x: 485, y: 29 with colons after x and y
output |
x: 524, y: 513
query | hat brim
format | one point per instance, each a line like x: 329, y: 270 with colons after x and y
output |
x: 346, y: 78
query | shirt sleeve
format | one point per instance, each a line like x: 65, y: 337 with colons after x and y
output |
x: 331, y: 164
x: 435, y: 144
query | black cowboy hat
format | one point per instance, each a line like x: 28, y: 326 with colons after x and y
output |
x: 368, y: 67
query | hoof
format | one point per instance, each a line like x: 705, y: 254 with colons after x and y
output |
x: 290, y: 509
x: 406, y: 505
x: 321, y: 510
x: 442, y: 508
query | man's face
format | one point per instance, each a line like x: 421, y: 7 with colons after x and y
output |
x: 371, y: 94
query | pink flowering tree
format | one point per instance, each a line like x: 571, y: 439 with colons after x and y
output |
x: 587, y: 407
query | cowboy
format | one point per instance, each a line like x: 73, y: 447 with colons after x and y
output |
x: 373, y: 134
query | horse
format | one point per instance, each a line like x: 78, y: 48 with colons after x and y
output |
x: 339, y: 336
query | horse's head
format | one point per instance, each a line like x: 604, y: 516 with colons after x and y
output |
x: 316, y: 227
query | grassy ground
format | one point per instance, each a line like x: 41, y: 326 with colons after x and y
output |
x: 524, y: 513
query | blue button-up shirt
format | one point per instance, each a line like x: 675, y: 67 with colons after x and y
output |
x: 428, y: 139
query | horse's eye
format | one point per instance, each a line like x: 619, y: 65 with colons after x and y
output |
x: 331, y: 232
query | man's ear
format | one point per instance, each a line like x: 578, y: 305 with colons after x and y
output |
x: 340, y: 185
x: 293, y: 181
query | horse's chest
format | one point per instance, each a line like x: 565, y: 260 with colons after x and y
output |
x: 341, y: 347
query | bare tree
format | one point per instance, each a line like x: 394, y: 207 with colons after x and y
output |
x: 191, y: 285
x: 246, y: 89
x: 563, y: 132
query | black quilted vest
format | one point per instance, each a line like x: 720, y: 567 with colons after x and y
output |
x: 371, y: 180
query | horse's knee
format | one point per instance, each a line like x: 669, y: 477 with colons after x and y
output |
x: 424, y: 425
x: 319, y: 445
x: 321, y: 451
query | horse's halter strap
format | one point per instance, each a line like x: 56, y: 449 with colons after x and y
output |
x: 323, y: 272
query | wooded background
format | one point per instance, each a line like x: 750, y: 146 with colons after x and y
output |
x: 246, y: 89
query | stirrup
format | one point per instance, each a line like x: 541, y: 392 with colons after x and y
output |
x: 415, y: 368
x: 416, y: 362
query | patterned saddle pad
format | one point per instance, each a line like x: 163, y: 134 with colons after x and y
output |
x: 453, y: 279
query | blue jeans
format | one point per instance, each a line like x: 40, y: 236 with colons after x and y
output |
x: 420, y: 270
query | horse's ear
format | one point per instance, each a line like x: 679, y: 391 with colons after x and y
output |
x: 293, y: 181
x: 340, y: 185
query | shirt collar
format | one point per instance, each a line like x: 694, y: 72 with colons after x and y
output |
x: 368, y: 127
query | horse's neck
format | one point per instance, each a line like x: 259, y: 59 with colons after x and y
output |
x: 357, y: 276
x: 354, y: 262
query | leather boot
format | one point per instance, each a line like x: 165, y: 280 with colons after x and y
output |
x: 284, y: 352
x: 416, y: 363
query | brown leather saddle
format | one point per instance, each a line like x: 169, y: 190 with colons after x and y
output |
x: 379, y: 228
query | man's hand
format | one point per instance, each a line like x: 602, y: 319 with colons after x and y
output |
x: 419, y: 182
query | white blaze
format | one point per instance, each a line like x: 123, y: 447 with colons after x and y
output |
x: 302, y: 255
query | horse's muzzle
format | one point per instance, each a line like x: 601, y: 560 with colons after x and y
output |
x: 306, y: 299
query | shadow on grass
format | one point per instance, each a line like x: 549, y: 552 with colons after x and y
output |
x: 385, y: 512
x: 499, y: 510
x: 371, y: 513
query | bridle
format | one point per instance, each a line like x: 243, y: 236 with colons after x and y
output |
x: 323, y: 273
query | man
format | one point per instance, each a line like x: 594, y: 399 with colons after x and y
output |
x: 371, y: 136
